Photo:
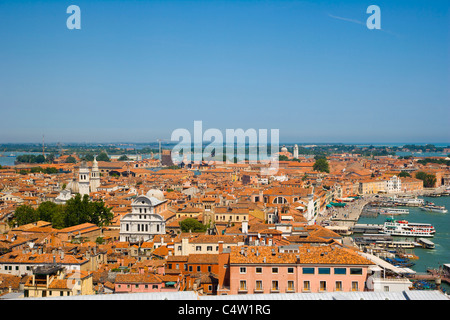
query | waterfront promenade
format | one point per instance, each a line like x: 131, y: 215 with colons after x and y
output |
x: 346, y: 216
x: 349, y: 215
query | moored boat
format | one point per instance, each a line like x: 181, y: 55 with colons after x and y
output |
x: 393, y: 211
x: 407, y: 229
x: 431, y: 207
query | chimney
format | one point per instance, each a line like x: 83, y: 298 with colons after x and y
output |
x: 62, y: 255
x: 245, y: 227
x: 220, y: 246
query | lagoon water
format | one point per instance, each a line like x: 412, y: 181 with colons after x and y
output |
x: 428, y: 258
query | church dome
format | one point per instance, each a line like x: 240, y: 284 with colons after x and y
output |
x: 158, y: 194
x: 73, y: 186
x: 284, y: 149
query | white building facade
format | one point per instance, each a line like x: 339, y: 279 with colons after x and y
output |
x: 144, y: 221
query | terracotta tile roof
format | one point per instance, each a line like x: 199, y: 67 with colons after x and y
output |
x: 137, y: 278
x: 328, y: 254
x: 203, y: 258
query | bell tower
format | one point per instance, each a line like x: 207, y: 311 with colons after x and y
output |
x: 83, y: 179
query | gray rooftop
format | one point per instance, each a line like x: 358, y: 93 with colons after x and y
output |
x: 190, y: 295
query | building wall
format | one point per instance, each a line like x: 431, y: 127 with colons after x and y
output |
x: 348, y: 282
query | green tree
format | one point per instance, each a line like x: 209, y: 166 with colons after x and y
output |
x: 100, y: 214
x: 81, y: 210
x: 282, y: 157
x: 50, y: 158
x: 50, y: 170
x: 71, y: 159
x: 404, y: 174
x: 123, y: 158
x: 103, y: 157
x: 429, y: 180
x: 193, y: 225
x: 321, y: 165
x: 88, y: 157
x: 46, y: 210
x: 25, y: 214
x: 76, y: 210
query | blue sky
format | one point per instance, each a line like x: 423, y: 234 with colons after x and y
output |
x: 137, y: 70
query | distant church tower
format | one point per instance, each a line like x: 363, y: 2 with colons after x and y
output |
x: 296, y: 152
x: 83, y: 179
x: 95, y: 176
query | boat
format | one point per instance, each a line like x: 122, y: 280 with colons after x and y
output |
x: 408, y: 256
x: 393, y: 211
x: 413, y: 202
x: 399, y: 262
x: 425, y: 243
x: 430, y: 206
x: 407, y: 229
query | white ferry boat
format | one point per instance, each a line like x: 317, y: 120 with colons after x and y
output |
x: 406, y: 229
x: 393, y: 211
x: 430, y: 206
x: 408, y: 201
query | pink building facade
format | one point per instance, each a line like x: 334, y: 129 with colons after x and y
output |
x: 262, y: 271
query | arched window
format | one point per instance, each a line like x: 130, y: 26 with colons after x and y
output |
x: 279, y: 200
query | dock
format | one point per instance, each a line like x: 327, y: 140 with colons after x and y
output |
x: 367, y: 228
x: 425, y: 243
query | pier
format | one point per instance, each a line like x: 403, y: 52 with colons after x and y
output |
x: 367, y: 228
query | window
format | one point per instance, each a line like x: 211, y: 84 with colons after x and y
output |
x: 356, y: 271
x: 198, y: 268
x: 340, y: 271
x: 290, y: 286
x: 306, y: 286
x: 259, y: 285
x: 243, y: 285
x: 338, y: 285
x: 324, y: 270
x: 136, y: 286
x: 209, y: 269
x: 274, y: 270
x: 355, y: 286
x: 308, y: 270
x: 209, y: 248
x: 155, y: 286
x: 242, y: 270
x: 190, y: 268
x: 258, y: 270
x: 290, y: 270
x: 323, y: 286
x: 198, y: 248
x: 275, y: 285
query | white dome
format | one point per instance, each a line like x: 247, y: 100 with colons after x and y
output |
x: 284, y: 149
x: 158, y: 194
